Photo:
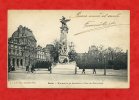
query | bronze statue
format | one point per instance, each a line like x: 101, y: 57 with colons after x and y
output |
x: 64, y: 21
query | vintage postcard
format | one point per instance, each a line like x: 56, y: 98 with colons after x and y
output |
x: 68, y: 49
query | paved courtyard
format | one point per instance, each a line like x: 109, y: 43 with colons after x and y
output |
x: 66, y: 73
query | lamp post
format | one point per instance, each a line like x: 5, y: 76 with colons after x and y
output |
x: 104, y: 65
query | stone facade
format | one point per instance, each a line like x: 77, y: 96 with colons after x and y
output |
x: 43, y: 54
x: 49, y: 49
x: 23, y: 49
x: 40, y: 53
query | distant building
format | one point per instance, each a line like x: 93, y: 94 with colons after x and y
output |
x: 40, y: 54
x: 44, y: 54
x: 49, y: 51
x: 49, y: 47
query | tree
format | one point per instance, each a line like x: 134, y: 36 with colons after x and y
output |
x: 72, y: 55
x: 55, y: 52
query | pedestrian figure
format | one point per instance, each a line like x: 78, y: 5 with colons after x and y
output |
x: 83, y: 72
x: 50, y: 69
x: 32, y: 69
x: 27, y: 68
x: 10, y: 68
x: 13, y: 68
x: 76, y: 70
x: 94, y: 70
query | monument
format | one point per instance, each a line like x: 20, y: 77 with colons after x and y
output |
x: 63, y: 50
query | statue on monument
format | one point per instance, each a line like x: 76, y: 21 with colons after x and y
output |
x: 64, y: 25
x: 63, y: 52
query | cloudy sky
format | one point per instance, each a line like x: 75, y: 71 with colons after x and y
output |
x: 86, y: 27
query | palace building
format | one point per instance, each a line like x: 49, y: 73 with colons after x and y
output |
x: 23, y: 49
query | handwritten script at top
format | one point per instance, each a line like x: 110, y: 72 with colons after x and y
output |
x: 82, y: 15
x: 97, y: 25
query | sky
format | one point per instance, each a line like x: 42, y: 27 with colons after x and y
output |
x: 93, y: 27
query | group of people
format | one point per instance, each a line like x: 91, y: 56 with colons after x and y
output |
x: 94, y: 71
x: 42, y: 64
x: 83, y: 65
x: 83, y: 69
x: 30, y: 68
x: 11, y: 68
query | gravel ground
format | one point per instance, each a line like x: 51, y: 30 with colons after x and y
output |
x: 66, y: 73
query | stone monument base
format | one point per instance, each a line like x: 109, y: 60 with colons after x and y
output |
x: 63, y: 59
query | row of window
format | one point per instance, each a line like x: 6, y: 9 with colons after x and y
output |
x: 20, y: 53
x: 14, y: 46
x: 15, y: 52
x: 41, y: 56
x: 40, y: 52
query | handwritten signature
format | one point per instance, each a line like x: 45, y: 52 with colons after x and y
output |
x: 98, y: 26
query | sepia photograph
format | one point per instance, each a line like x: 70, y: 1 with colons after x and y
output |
x: 68, y: 49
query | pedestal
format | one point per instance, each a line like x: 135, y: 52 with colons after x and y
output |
x: 63, y: 59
